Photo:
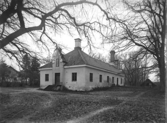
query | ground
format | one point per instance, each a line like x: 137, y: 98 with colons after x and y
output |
x: 119, y: 104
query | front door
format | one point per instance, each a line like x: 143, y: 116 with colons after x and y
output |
x: 57, y: 78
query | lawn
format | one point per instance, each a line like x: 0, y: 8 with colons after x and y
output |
x: 32, y: 105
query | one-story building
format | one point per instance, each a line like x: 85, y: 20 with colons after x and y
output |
x: 77, y: 70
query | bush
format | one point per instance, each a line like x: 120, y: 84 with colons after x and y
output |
x: 55, y: 88
x: 12, y: 84
x: 5, y: 84
x: 65, y: 89
x: 101, y: 88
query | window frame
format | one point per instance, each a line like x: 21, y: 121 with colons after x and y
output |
x: 46, y: 77
x: 113, y: 79
x: 108, y: 79
x: 74, y: 77
x: 91, y: 77
x: 117, y: 81
x: 57, y: 62
x: 100, y: 78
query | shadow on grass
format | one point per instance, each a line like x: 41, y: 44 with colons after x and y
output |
x: 65, y: 90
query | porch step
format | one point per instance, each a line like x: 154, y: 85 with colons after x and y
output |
x: 43, y: 87
x: 54, y: 88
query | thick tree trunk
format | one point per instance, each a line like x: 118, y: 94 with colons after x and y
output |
x: 162, y: 53
x: 165, y: 38
x: 162, y: 71
x: 162, y: 78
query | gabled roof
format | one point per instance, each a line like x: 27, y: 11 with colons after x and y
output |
x: 78, y: 57
x: 48, y: 65
x: 74, y: 58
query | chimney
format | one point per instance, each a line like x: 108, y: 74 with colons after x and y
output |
x: 77, y: 43
x: 112, y: 56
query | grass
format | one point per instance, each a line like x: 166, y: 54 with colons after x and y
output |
x: 46, y: 106
x: 148, y: 108
x: 132, y: 112
x: 72, y: 107
x: 15, y: 106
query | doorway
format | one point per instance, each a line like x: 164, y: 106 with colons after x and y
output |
x: 57, y: 78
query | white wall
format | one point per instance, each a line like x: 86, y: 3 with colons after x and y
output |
x: 83, y: 82
x: 104, y: 83
x: 76, y: 85
x: 58, y: 69
x: 44, y: 83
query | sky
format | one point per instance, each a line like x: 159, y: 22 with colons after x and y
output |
x: 66, y: 41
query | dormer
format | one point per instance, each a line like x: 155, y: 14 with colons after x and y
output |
x: 57, y: 57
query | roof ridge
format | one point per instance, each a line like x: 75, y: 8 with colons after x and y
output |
x: 79, y: 57
x: 97, y: 59
x: 80, y: 52
x: 46, y: 65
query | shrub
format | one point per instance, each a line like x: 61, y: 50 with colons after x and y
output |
x: 100, y: 88
x: 12, y: 84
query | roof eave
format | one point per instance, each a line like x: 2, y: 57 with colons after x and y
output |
x: 44, y: 69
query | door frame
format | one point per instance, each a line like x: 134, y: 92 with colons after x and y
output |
x: 57, y: 75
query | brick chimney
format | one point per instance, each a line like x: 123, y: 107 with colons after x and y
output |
x: 77, y: 43
x: 113, y: 60
x: 112, y: 56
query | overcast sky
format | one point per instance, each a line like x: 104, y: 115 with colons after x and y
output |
x: 65, y: 40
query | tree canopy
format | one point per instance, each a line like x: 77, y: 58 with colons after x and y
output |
x: 36, y: 18
x: 4, y: 71
x: 30, y: 72
x: 143, y: 25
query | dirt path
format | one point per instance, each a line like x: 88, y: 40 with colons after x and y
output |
x: 91, y: 114
x: 49, y: 102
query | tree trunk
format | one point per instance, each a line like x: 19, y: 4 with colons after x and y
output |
x: 162, y: 71
x: 165, y: 35
x: 162, y: 79
x: 162, y: 54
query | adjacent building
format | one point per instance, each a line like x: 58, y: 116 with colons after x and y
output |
x: 77, y: 70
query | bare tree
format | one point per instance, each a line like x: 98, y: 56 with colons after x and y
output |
x: 99, y: 56
x: 135, y: 67
x: 37, y: 17
x: 4, y: 71
x: 144, y: 26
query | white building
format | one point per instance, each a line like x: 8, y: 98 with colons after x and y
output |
x: 77, y: 70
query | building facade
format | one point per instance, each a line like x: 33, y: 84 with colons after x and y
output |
x: 77, y: 70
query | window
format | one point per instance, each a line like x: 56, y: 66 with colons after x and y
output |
x: 91, y: 77
x: 117, y: 81
x: 113, y: 80
x: 74, y: 77
x: 46, y: 77
x: 100, y: 78
x: 108, y: 79
x: 121, y: 80
x: 57, y: 62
